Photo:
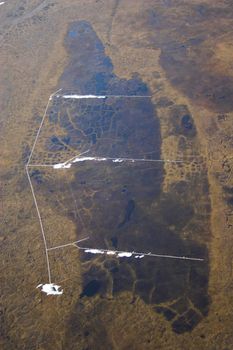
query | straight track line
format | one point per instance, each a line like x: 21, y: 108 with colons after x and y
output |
x: 42, y: 121
x: 41, y: 225
x: 75, y: 96
x: 68, y: 244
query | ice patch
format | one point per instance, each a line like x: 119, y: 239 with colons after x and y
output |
x: 82, y: 159
x: 94, y: 251
x: 118, y: 160
x: 2, y: 3
x: 124, y: 254
x: 50, y: 289
x: 111, y: 252
x: 68, y: 164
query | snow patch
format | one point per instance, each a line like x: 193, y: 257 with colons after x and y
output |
x: 82, y: 159
x: 83, y: 96
x: 62, y: 166
x: 118, y: 160
x: 111, y: 252
x: 94, y: 251
x: 124, y: 254
x: 50, y: 289
x: 68, y: 164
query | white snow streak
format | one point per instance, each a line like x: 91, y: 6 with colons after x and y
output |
x: 125, y: 255
x: 118, y: 160
x: 82, y: 159
x: 110, y: 252
x: 82, y: 96
x: 62, y: 166
x: 68, y: 164
x: 136, y: 255
x: 94, y: 251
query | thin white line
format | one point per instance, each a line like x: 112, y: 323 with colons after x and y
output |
x: 41, y: 225
x: 117, y: 160
x: 145, y: 254
x: 121, y: 251
x: 39, y: 165
x: 38, y: 132
x: 68, y: 244
x: 74, y: 96
x: 139, y: 160
x: 81, y: 96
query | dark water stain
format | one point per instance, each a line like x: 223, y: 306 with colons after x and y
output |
x: 230, y: 201
x: 228, y: 189
x: 128, y: 212
x: 90, y: 71
x: 169, y: 314
x: 25, y: 153
x: 37, y: 176
x: 92, y: 288
x: 58, y: 144
x: 187, y: 122
x: 114, y: 241
x: 229, y: 195
x: 182, y: 120
x: 151, y: 221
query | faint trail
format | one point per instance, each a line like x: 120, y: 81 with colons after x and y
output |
x: 115, y: 252
x: 41, y: 225
x: 68, y: 244
x: 77, y: 209
x: 114, y: 11
x: 33, y: 192
x: 100, y: 96
x: 77, y: 159
x: 19, y: 20
x: 42, y: 121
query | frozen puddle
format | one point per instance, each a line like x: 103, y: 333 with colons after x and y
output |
x: 50, y: 289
